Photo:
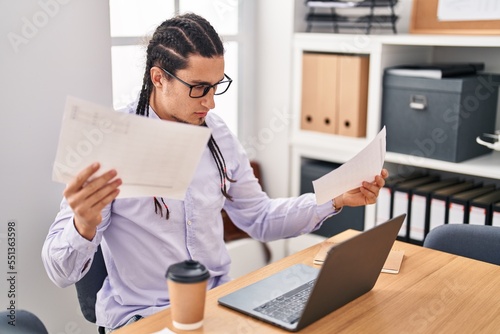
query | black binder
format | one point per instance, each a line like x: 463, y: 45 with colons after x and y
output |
x: 464, y: 199
x: 444, y: 195
x: 420, y: 220
x: 485, y: 204
x: 407, y: 189
x: 392, y: 181
x: 496, y: 214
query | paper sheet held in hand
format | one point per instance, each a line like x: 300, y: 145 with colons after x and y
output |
x: 363, y: 167
x: 152, y: 157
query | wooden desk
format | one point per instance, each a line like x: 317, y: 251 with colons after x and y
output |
x: 434, y: 292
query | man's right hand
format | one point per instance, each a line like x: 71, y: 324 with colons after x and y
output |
x: 88, y: 197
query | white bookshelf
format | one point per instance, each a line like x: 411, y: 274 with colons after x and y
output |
x: 385, y: 51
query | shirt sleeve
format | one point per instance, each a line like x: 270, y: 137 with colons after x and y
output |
x: 269, y: 219
x: 66, y: 255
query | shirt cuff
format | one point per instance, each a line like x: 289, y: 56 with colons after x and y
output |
x: 326, y: 211
x: 77, y: 242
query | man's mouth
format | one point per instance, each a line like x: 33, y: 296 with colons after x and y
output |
x: 201, y: 114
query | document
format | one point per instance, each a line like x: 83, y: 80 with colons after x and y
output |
x: 466, y: 10
x: 393, y: 262
x: 332, y: 241
x: 363, y: 167
x: 152, y: 157
x: 436, y: 71
x: 330, y: 4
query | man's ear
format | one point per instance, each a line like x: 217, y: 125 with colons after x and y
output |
x: 157, y: 75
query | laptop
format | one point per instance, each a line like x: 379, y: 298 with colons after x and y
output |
x: 299, y: 295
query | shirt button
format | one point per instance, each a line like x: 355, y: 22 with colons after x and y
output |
x: 189, y: 222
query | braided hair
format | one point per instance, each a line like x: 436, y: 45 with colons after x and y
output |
x: 170, y: 47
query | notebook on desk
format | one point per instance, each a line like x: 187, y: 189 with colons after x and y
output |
x: 299, y: 295
x: 392, y: 264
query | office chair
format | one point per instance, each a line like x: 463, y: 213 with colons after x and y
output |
x: 89, y: 285
x: 25, y: 323
x: 479, y: 242
x: 233, y: 233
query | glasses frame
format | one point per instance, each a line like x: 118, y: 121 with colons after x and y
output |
x: 206, y: 88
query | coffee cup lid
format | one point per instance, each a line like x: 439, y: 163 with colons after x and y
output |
x: 189, y: 271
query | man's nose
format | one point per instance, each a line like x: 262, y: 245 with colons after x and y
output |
x: 208, y: 100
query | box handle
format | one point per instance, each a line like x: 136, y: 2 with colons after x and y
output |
x: 418, y: 102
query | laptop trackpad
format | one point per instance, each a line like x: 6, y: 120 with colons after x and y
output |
x: 256, y: 294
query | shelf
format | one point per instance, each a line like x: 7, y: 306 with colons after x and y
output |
x: 339, y: 149
x: 401, y: 39
x: 487, y: 166
x: 385, y: 51
x: 341, y: 43
x: 442, y: 40
x: 333, y: 148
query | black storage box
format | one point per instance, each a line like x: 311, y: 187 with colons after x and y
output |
x: 439, y: 118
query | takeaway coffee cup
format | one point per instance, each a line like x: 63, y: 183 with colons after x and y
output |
x: 187, y: 286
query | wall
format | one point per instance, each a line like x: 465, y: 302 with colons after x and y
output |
x: 274, y: 28
x: 48, y: 49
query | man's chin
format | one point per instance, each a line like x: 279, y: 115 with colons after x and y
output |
x: 192, y: 121
x: 198, y: 121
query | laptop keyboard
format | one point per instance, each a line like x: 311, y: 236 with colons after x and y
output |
x: 287, y: 307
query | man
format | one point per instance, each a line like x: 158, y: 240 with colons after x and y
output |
x: 141, y: 237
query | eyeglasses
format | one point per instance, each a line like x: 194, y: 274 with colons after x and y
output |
x: 197, y: 91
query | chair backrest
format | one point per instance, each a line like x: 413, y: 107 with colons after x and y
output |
x: 479, y: 242
x: 90, y: 284
x: 232, y: 232
x: 25, y: 322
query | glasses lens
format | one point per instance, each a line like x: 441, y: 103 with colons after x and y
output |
x: 199, y: 90
x: 222, y: 87
x: 202, y: 90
